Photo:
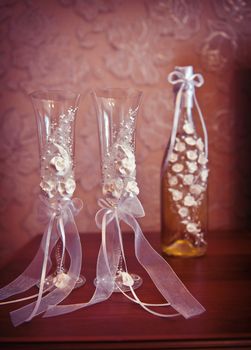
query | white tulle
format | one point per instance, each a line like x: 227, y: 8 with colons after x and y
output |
x: 169, y: 285
x: 61, y: 225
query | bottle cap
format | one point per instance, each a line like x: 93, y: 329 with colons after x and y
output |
x: 186, y: 70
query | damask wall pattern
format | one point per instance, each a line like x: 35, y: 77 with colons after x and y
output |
x: 81, y: 44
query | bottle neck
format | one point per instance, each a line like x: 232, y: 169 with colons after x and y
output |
x: 186, y: 106
x: 186, y: 116
x: 187, y: 97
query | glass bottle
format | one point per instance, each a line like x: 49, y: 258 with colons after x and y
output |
x: 184, y: 172
x: 55, y: 112
x: 117, y: 110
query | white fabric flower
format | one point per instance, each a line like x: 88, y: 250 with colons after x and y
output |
x: 124, y: 151
x: 177, y: 168
x: 132, y: 187
x: 190, y: 141
x: 204, y: 175
x: 202, y: 159
x: 192, y: 167
x: 177, y: 195
x: 61, y: 164
x: 180, y: 146
x: 183, y: 211
x: 192, y: 228
x: 188, y: 128
x: 192, y: 155
x: 196, y: 189
x: 173, y: 157
x: 200, y: 144
x: 188, y: 179
x: 67, y: 188
x: 189, y: 201
x: 47, y: 186
x: 70, y: 186
x: 113, y: 188
x: 172, y: 180
x: 127, y: 166
x: 61, y: 280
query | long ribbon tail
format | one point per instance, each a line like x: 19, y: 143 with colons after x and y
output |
x: 163, y: 276
x: 30, y: 277
x: 107, y: 262
x: 175, y: 123
x: 73, y: 246
x: 203, y: 124
x: 125, y: 274
x: 43, y: 273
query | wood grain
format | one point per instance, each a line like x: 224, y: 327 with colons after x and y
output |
x: 221, y: 281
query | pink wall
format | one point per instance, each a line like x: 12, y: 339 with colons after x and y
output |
x: 79, y: 44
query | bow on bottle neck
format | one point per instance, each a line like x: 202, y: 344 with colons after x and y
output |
x: 177, y: 77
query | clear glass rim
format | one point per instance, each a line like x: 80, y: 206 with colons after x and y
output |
x: 54, y: 95
x: 115, y: 92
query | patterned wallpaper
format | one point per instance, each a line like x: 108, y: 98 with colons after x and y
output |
x: 80, y: 44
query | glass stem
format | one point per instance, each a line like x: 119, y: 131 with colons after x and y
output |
x: 120, y: 264
x: 60, y: 257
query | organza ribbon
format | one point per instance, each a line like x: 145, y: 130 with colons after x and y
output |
x: 188, y: 85
x: 169, y: 285
x: 60, y: 225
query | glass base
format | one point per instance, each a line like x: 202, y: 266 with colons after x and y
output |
x: 184, y: 248
x: 60, y: 279
x: 122, y: 283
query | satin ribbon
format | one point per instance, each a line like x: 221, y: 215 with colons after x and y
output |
x: 185, y: 85
x: 169, y: 285
x: 61, y: 225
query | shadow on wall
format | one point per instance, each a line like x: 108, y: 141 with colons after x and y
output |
x: 242, y: 144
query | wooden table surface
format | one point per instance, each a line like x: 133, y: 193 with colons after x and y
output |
x: 221, y: 281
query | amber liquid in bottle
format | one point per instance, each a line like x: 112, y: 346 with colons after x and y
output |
x: 184, y: 194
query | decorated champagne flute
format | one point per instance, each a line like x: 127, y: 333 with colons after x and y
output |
x: 117, y: 110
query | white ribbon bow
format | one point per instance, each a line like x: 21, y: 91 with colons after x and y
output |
x: 61, y: 224
x: 108, y: 219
